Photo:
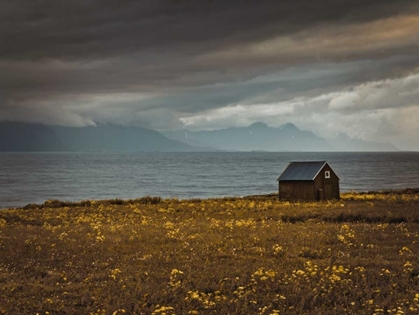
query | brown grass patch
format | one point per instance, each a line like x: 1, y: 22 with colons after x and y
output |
x: 249, y: 255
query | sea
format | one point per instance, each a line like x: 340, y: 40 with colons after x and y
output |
x: 73, y: 176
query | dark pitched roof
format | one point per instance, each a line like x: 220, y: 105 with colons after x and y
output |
x: 302, y: 170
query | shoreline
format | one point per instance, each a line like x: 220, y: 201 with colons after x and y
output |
x: 55, y: 203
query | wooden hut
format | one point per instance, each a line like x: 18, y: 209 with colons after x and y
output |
x: 308, y: 181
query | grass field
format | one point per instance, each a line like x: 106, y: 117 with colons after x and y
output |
x: 252, y: 255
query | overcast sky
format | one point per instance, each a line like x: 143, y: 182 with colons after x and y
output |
x: 328, y: 66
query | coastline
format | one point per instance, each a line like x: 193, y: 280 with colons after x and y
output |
x: 54, y: 203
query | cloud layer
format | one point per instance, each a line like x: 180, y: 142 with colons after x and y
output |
x: 329, y: 66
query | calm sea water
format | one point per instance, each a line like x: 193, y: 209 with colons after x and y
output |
x: 35, y: 177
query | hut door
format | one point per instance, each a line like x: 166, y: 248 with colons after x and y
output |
x: 328, y: 192
x: 320, y: 194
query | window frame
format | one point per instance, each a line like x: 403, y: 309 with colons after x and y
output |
x: 327, y: 174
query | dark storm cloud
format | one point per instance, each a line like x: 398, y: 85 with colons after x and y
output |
x: 163, y: 64
x: 164, y: 39
x: 102, y: 29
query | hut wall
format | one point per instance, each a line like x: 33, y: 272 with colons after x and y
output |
x: 296, y: 190
x: 330, y: 186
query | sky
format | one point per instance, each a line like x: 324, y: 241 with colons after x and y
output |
x: 328, y: 66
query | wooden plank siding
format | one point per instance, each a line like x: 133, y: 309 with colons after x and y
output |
x: 297, y: 190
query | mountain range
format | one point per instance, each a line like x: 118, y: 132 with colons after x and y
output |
x: 18, y: 136
x: 260, y: 137
x: 15, y: 137
x: 117, y: 138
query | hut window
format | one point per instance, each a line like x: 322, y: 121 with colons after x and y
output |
x: 327, y: 174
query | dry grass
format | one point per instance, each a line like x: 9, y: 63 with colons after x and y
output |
x: 250, y: 255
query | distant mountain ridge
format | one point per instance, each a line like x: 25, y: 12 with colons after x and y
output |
x: 256, y: 137
x: 18, y: 136
x: 117, y: 138
x: 260, y: 137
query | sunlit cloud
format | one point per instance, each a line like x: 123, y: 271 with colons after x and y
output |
x: 365, y: 111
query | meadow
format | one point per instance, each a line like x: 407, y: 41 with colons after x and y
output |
x: 251, y: 255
